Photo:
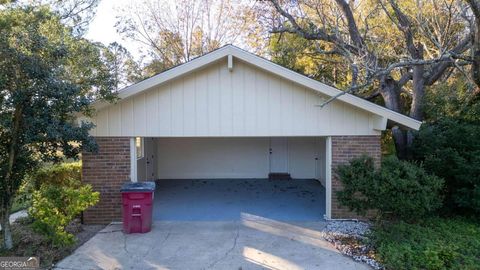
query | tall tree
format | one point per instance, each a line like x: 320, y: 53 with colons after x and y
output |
x: 475, y: 6
x: 386, y: 43
x: 76, y: 14
x: 176, y: 32
x: 124, y: 70
x: 47, y: 75
x: 296, y: 53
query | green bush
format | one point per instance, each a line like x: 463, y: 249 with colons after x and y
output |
x: 451, y: 149
x: 448, y: 144
x: 23, y: 197
x: 398, y: 189
x: 433, y: 244
x: 58, y: 199
x: 66, y: 174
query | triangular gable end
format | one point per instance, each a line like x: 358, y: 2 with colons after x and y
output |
x: 230, y: 52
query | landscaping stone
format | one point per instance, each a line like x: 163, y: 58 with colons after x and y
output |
x: 348, y: 236
x: 17, y: 215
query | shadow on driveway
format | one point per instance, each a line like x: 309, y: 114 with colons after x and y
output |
x: 253, y: 242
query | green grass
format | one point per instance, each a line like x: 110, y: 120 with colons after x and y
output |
x: 433, y: 244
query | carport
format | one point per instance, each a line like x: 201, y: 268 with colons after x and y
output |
x: 213, y: 179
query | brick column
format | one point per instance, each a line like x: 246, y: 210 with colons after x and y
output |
x: 344, y: 148
x: 106, y: 171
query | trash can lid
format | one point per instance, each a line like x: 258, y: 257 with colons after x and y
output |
x: 138, y: 186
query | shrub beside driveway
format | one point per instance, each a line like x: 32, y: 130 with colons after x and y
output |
x: 434, y: 243
x: 53, y: 230
x: 409, y: 233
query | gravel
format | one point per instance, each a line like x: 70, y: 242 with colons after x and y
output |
x: 348, y: 237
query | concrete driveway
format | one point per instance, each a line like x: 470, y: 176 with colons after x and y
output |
x: 252, y: 242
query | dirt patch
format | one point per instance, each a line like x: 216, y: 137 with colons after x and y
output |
x: 29, y: 243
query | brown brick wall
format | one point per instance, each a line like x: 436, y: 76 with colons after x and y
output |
x: 344, y: 148
x: 106, y: 171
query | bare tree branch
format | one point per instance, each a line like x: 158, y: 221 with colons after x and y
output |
x: 317, y: 34
x: 352, y: 25
x: 350, y: 44
x: 436, y: 71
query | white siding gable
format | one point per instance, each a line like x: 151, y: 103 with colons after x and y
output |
x: 215, y: 102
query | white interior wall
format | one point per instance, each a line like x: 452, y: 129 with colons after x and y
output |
x: 183, y: 158
x: 301, y: 157
x: 307, y: 158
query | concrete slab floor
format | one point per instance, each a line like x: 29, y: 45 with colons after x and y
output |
x: 227, y: 199
x: 251, y: 243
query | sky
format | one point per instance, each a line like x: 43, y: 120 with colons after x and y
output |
x: 102, y: 28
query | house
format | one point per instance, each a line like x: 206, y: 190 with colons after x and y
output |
x: 230, y: 114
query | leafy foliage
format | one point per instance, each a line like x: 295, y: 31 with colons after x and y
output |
x: 123, y: 69
x: 76, y: 14
x: 449, y: 147
x: 301, y: 55
x: 60, y: 198
x: 47, y: 76
x: 434, y: 244
x: 28, y: 242
x: 453, y: 99
x: 398, y: 189
x: 388, y: 143
x: 60, y: 174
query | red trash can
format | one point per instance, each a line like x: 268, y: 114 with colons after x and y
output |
x: 137, y: 201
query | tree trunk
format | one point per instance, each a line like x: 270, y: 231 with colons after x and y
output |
x: 476, y: 55
x: 6, y: 230
x: 400, y: 138
x: 391, y: 95
x: 416, y: 109
x: 9, y: 192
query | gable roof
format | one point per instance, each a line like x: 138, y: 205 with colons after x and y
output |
x: 270, y: 67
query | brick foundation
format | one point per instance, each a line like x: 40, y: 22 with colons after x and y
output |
x: 344, y: 148
x: 106, y: 171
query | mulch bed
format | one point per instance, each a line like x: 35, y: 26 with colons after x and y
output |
x: 29, y: 243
